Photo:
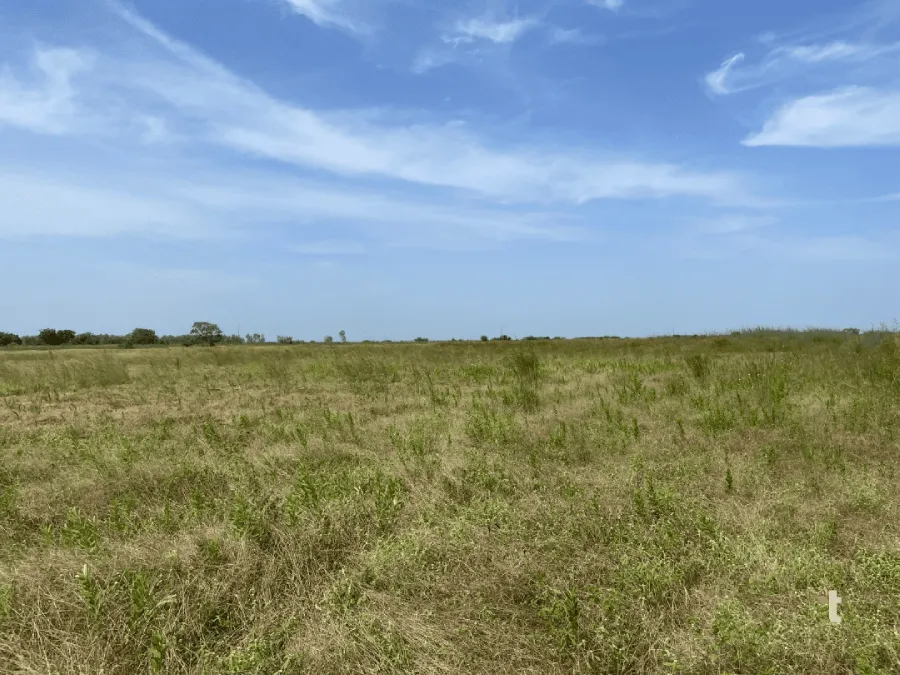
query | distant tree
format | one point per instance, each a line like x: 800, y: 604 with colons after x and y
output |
x: 328, y: 339
x: 206, y: 333
x: 343, y: 335
x: 285, y: 340
x: 421, y: 339
x: 50, y: 336
x: 84, y: 339
x: 7, y: 339
x: 233, y: 340
x: 143, y: 336
x: 484, y: 338
x: 256, y: 338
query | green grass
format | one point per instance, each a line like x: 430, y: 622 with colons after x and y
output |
x: 676, y: 505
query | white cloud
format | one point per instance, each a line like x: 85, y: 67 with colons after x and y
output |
x: 46, y: 105
x: 825, y: 52
x: 328, y: 13
x: 717, y: 80
x: 176, y: 203
x: 852, y: 116
x: 501, y: 32
x: 203, y: 101
x: 789, y: 61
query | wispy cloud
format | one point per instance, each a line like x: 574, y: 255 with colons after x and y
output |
x: 853, y: 116
x: 717, y: 81
x: 575, y: 36
x: 205, y: 204
x: 329, y: 13
x: 611, y: 5
x: 198, y: 97
x: 826, y: 52
x: 789, y: 61
x: 484, y: 28
x: 44, y: 103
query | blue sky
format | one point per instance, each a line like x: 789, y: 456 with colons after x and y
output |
x: 397, y: 168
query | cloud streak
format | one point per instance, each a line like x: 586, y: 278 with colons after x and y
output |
x: 329, y: 14
x: 207, y: 204
x: 483, y: 28
x: 44, y: 105
x: 736, y: 75
x: 848, y: 117
x: 191, y: 94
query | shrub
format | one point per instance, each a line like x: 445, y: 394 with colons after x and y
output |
x: 7, y: 339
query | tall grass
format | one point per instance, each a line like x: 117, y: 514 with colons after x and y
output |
x: 667, y: 505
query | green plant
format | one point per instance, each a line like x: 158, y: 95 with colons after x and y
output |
x: 143, y: 336
x: 204, y: 332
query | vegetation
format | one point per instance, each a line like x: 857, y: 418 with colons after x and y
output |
x: 143, y: 336
x: 671, y: 505
x: 206, y: 333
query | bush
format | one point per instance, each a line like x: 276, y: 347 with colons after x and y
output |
x: 7, y: 339
x: 285, y: 340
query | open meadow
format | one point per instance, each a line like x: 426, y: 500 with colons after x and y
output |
x: 664, y: 505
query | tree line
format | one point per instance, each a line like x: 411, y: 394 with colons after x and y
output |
x: 202, y: 332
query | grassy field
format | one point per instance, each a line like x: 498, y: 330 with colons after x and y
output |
x: 610, y: 506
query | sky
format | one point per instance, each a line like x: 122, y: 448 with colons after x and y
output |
x: 405, y: 168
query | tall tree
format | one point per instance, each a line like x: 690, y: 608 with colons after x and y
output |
x: 143, y: 336
x: 206, y: 332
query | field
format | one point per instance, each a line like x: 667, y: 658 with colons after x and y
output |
x: 611, y: 506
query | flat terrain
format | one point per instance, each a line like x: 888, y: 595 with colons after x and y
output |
x: 642, y: 506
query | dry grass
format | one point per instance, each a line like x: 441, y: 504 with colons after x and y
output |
x: 668, y: 505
